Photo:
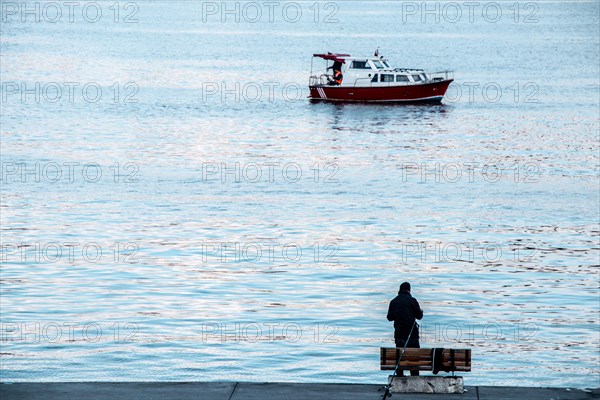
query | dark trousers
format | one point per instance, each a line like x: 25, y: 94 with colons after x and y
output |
x: 414, y: 344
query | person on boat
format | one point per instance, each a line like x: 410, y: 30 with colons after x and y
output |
x: 404, y: 310
x: 338, y: 77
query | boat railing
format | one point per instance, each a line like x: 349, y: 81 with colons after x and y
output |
x: 441, y: 75
x: 318, y: 80
x: 408, y: 70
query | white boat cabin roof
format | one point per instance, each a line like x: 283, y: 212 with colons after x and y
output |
x: 376, y: 63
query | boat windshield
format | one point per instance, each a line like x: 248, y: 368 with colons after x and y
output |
x: 378, y: 64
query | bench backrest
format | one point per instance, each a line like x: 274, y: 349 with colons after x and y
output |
x: 422, y: 359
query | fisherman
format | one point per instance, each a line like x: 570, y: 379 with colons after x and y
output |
x: 338, y: 77
x: 404, y: 310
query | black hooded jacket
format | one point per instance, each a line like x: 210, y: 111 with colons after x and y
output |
x: 404, y: 309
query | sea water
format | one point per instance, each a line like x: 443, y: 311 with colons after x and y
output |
x: 175, y: 209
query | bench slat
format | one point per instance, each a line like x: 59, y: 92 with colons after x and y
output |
x: 457, y: 356
x: 422, y: 368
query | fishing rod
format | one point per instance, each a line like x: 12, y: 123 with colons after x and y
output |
x: 387, y: 393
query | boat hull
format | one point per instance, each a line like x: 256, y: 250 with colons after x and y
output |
x: 432, y: 92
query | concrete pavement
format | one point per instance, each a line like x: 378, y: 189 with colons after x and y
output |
x: 264, y: 391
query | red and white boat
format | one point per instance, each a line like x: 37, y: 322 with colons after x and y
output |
x: 372, y: 79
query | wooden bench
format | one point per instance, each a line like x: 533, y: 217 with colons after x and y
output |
x: 422, y: 359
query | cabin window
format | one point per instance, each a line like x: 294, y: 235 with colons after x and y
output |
x: 417, y: 78
x: 374, y: 78
x: 360, y: 65
x: 387, y: 78
x: 378, y: 64
x: 386, y: 64
x: 402, y: 78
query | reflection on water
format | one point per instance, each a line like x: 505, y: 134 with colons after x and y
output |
x: 281, y: 229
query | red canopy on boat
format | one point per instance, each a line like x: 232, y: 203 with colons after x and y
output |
x: 334, y: 57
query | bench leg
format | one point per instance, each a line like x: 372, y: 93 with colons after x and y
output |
x: 413, y: 372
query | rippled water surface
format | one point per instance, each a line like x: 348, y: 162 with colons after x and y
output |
x: 133, y: 250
